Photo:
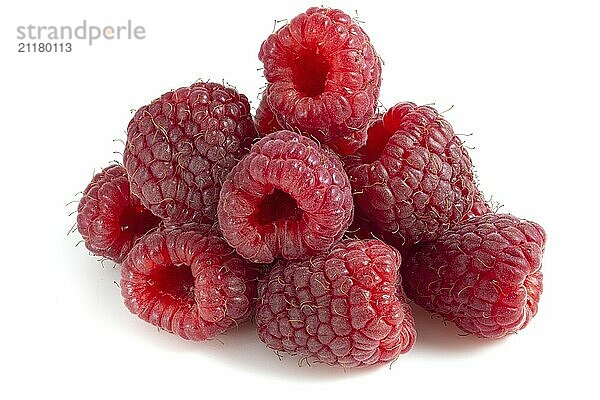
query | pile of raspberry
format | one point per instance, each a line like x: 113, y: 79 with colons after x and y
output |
x: 319, y: 219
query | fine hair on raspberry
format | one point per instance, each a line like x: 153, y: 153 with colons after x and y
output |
x: 323, y: 77
x: 188, y: 283
x: 339, y: 308
x: 288, y: 197
x: 264, y: 119
x: 181, y: 146
x: 109, y: 218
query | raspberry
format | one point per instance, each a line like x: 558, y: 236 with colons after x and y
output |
x: 264, y: 120
x: 484, y: 274
x: 288, y: 197
x: 339, y: 308
x: 323, y: 77
x: 188, y: 283
x: 109, y: 218
x: 414, y: 178
x: 181, y: 146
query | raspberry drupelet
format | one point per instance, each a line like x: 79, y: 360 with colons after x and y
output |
x: 264, y: 119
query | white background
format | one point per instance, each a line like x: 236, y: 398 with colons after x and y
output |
x: 523, y: 79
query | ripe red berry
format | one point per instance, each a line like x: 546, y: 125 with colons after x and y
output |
x: 288, y: 197
x: 484, y: 274
x: 187, y: 283
x: 324, y: 77
x: 109, y: 218
x: 181, y: 146
x: 340, y: 308
x: 414, y: 178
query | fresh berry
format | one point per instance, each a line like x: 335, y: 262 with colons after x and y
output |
x: 181, y: 146
x: 109, y: 218
x: 414, y: 178
x: 339, y: 308
x: 323, y: 77
x: 484, y: 274
x: 187, y: 283
x: 288, y: 197
x: 264, y: 120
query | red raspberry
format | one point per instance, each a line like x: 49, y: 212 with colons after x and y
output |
x: 264, y: 120
x: 187, y: 283
x: 484, y: 274
x: 109, y: 218
x: 181, y: 146
x: 339, y: 308
x: 324, y: 77
x: 288, y: 197
x: 414, y: 178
